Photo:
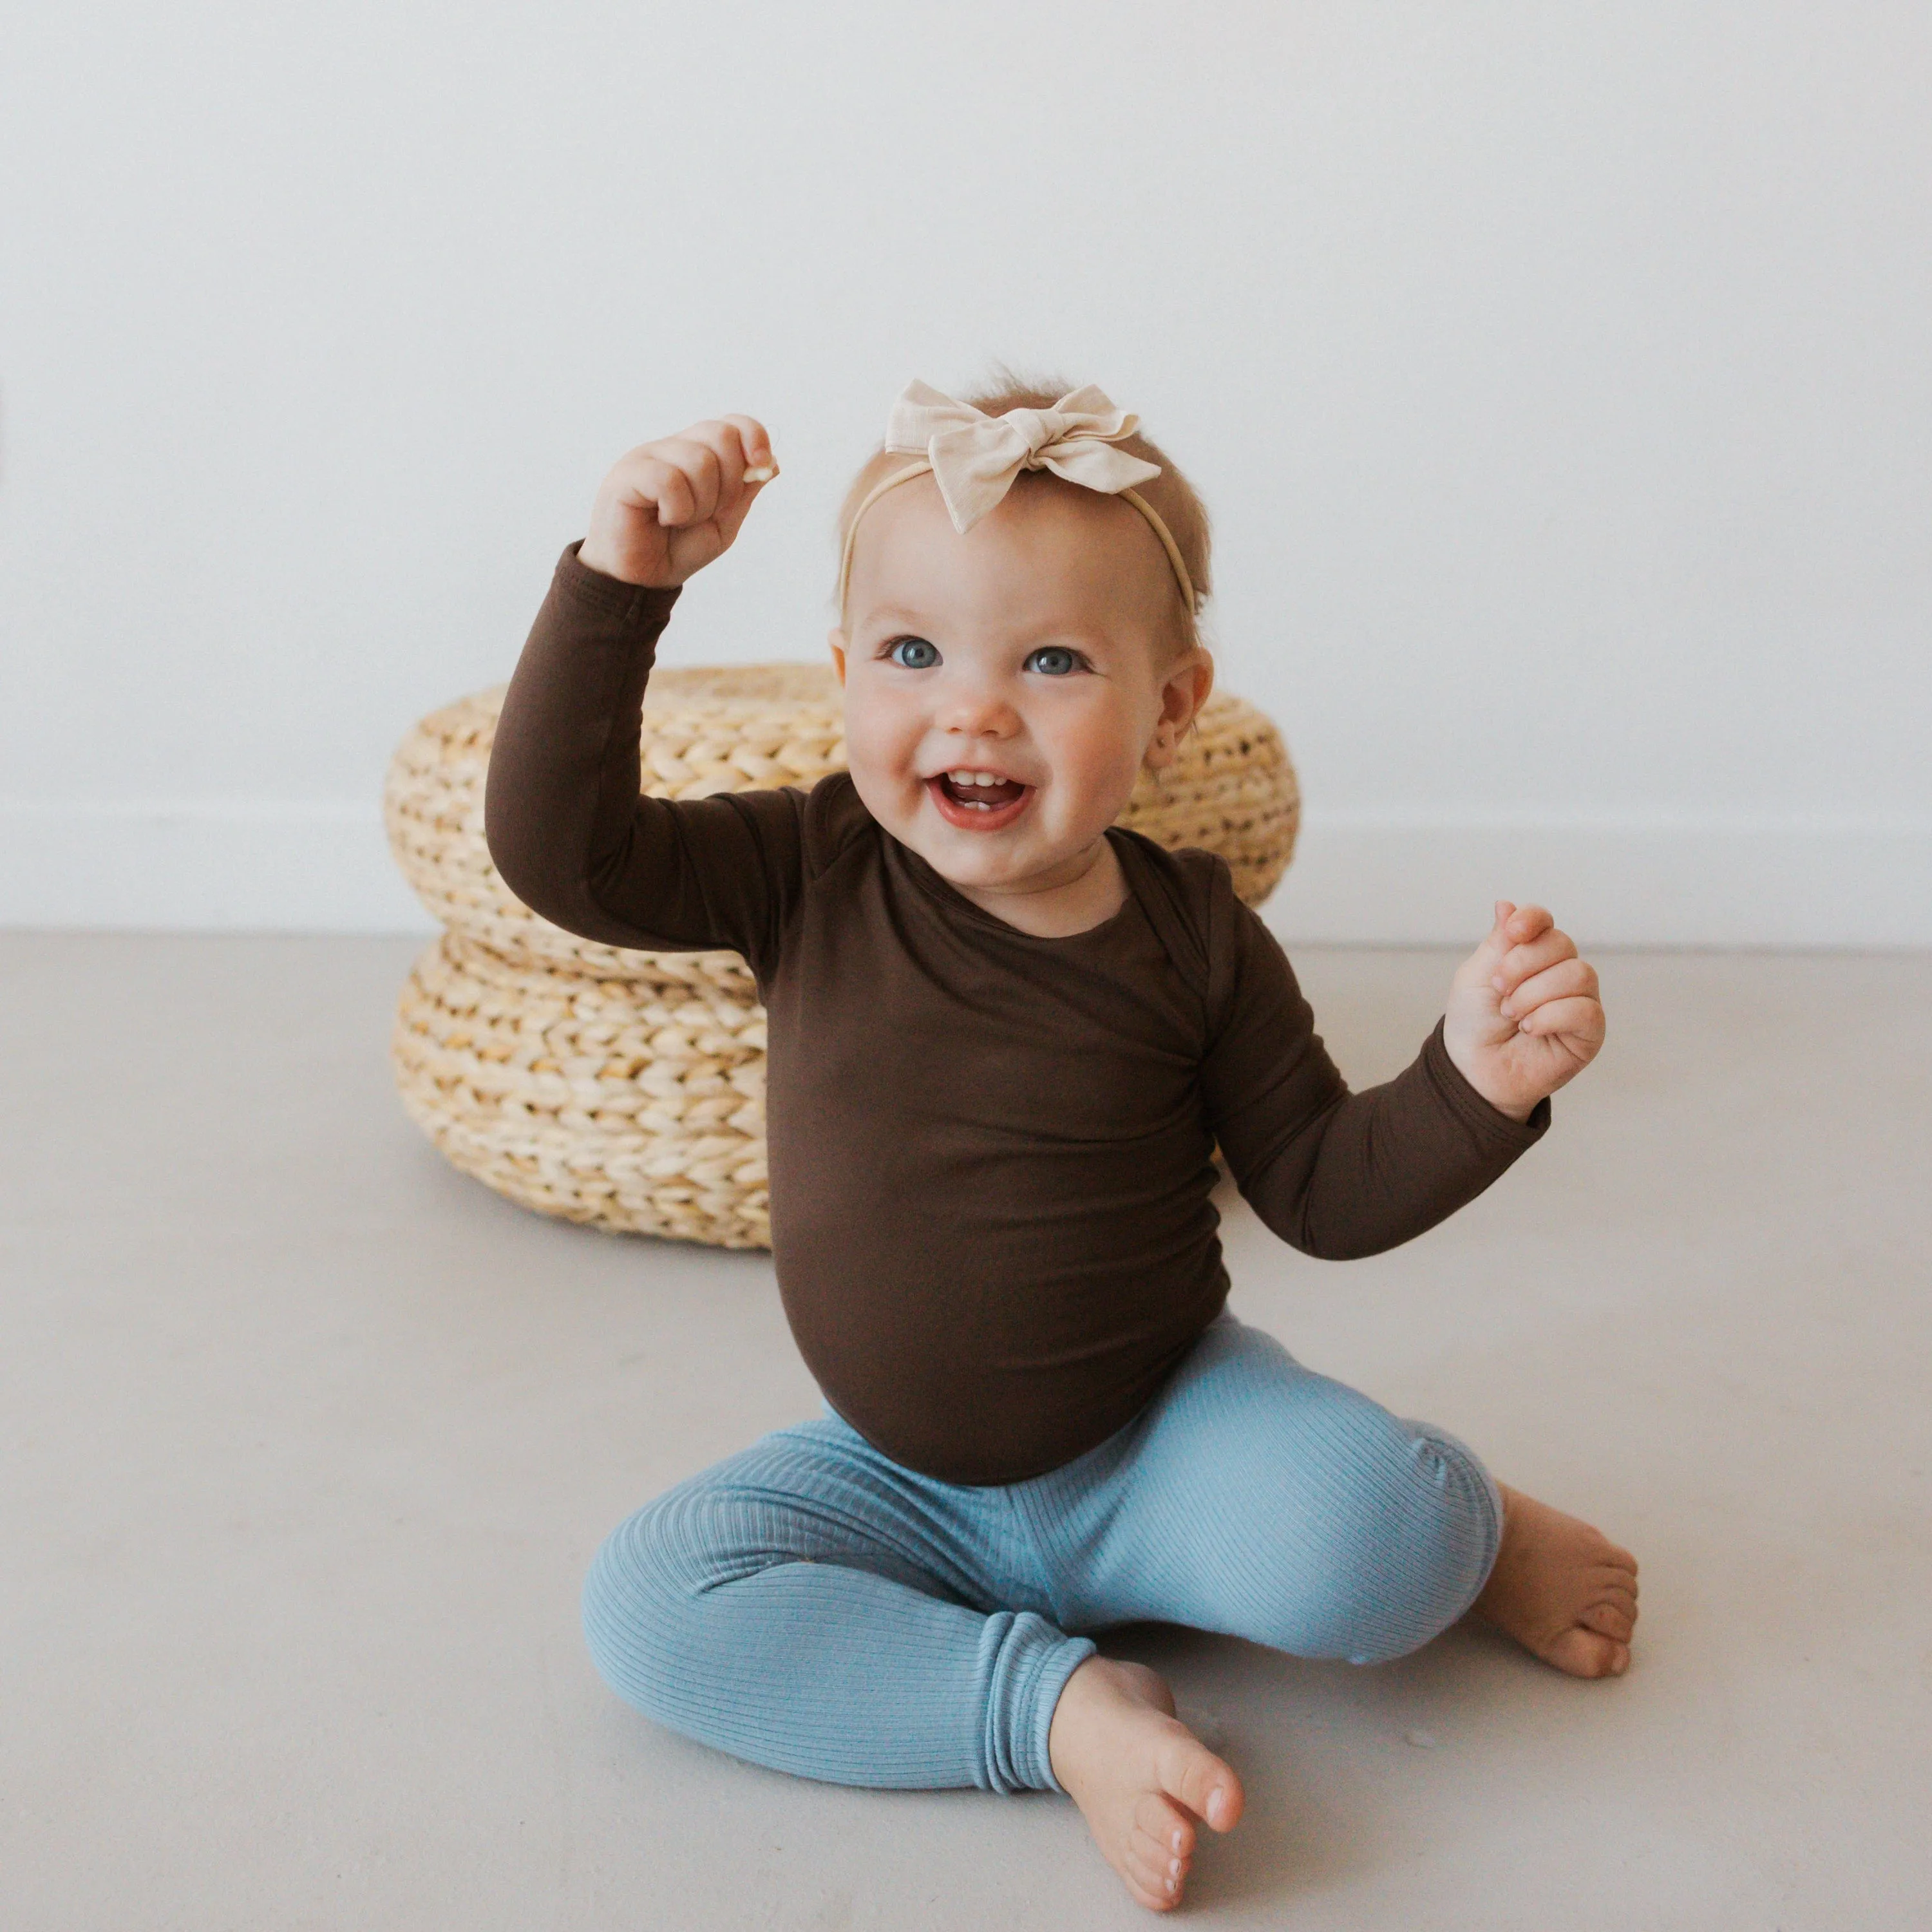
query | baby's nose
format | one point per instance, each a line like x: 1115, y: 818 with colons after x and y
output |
x: 980, y: 714
x: 986, y: 719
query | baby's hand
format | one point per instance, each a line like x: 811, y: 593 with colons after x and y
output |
x: 670, y: 508
x: 1523, y: 1015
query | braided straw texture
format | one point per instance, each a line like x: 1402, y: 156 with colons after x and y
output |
x: 626, y: 1088
x: 637, y: 1104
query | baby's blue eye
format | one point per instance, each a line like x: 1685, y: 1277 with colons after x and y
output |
x: 914, y: 653
x: 1055, y: 660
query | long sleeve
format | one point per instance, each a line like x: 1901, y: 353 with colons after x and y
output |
x: 565, y: 825
x: 1338, y: 1174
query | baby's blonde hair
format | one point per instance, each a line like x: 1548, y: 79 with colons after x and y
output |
x: 1170, y: 494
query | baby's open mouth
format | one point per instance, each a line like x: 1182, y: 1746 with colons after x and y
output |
x: 979, y: 791
x: 975, y: 801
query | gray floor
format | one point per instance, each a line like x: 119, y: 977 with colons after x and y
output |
x: 308, y: 1440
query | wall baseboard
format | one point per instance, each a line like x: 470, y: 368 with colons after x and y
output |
x: 1356, y: 879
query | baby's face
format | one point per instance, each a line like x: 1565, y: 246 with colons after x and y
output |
x: 1036, y: 651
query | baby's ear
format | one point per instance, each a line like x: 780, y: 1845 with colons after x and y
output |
x: 1187, y: 685
x: 835, y: 637
x: 1184, y: 691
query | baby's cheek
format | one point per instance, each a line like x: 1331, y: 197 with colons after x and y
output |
x: 878, y: 743
x: 881, y: 776
x: 883, y: 763
x: 1103, y: 761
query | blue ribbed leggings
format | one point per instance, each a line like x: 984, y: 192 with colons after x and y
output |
x: 811, y: 1605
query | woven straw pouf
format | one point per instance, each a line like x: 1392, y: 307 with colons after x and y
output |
x: 626, y: 1089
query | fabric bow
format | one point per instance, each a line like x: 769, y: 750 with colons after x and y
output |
x: 976, y: 456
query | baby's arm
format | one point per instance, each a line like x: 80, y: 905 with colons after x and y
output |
x: 1336, y: 1174
x: 566, y: 826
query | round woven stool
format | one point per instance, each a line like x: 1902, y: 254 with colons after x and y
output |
x: 626, y: 1088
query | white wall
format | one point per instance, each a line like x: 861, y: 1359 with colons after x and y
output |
x: 1558, y: 376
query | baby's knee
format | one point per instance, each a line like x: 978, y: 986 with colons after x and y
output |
x: 1403, y: 1543
x: 1424, y: 1543
x: 645, y: 1588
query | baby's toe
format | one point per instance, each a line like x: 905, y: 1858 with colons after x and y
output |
x: 1150, y: 1887
x: 1158, y: 1852
x: 1164, y: 1824
x: 1609, y: 1620
x: 1160, y: 1877
x: 1190, y: 1772
x: 1583, y: 1653
x: 1619, y: 1601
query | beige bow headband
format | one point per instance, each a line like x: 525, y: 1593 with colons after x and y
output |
x: 973, y: 458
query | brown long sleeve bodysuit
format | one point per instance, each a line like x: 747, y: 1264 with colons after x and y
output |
x: 991, y: 1153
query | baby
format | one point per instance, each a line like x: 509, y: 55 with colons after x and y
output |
x: 1006, y: 1038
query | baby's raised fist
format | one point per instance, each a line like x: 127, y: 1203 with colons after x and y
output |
x: 1524, y: 1016
x: 669, y: 508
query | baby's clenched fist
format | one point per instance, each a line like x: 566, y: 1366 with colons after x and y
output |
x: 1523, y: 1015
x: 669, y: 508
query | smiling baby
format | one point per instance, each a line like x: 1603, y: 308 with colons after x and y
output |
x: 1006, y: 1038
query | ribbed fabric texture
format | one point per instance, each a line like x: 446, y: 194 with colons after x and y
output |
x: 811, y: 1605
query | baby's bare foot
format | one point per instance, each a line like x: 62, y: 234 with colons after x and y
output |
x: 1561, y: 1589
x: 1139, y: 1775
